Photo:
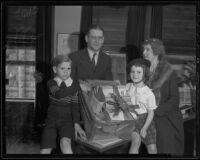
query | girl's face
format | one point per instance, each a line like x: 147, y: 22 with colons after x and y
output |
x: 148, y: 53
x: 63, y: 70
x: 137, y: 74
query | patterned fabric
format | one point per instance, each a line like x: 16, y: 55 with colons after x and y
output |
x: 185, y: 96
x: 62, y: 95
x: 66, y: 97
x: 151, y: 131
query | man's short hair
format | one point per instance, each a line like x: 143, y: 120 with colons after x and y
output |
x: 96, y: 27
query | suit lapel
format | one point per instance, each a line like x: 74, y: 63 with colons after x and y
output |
x: 86, y: 59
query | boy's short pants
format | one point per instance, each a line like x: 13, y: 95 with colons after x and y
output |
x: 151, y: 131
x: 56, y: 128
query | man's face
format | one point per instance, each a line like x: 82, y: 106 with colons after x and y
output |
x: 95, y: 39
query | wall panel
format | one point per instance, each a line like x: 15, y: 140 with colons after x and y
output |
x: 113, y: 20
x: 179, y: 29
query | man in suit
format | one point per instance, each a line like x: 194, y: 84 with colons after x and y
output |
x: 92, y: 62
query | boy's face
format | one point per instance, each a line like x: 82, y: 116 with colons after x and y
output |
x: 63, y: 70
x: 136, y: 74
x: 95, y: 39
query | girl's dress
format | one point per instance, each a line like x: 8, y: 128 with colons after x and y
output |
x: 145, y: 99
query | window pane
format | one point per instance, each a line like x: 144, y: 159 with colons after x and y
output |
x: 21, y: 81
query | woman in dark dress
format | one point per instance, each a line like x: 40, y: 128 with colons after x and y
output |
x: 164, y: 83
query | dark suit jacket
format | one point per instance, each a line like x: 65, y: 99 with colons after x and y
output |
x: 82, y: 67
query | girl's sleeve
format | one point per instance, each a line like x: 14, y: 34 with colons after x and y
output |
x: 151, y: 101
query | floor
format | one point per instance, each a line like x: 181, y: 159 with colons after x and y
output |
x: 22, y: 148
x: 19, y: 122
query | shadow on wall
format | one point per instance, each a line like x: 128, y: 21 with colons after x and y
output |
x: 67, y: 43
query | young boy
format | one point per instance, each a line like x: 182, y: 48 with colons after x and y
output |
x: 142, y: 96
x: 63, y: 113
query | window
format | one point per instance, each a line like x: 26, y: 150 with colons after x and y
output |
x: 20, y: 52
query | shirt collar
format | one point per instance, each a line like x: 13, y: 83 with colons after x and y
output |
x: 67, y: 82
x: 91, y: 52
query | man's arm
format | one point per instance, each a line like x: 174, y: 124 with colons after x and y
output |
x: 55, y: 91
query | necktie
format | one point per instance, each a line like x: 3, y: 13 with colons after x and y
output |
x: 93, y: 59
x: 62, y: 85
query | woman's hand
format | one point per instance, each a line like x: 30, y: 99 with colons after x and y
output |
x: 79, y: 132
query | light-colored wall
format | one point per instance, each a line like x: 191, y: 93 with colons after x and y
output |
x: 66, y: 20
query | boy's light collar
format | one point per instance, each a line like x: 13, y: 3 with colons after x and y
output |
x: 68, y: 82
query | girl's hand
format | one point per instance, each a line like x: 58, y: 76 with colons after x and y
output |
x: 79, y: 132
x: 143, y: 132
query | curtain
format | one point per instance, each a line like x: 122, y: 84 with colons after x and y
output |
x: 43, y: 42
x: 43, y: 62
x: 135, y: 31
x: 86, y: 22
x: 156, y: 22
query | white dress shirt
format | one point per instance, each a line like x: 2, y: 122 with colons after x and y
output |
x: 91, y: 53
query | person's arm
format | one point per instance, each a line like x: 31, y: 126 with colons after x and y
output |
x: 173, y: 100
x: 56, y: 91
x: 76, y: 114
x: 75, y: 108
x: 150, y: 105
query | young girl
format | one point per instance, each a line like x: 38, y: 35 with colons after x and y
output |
x: 63, y: 113
x: 142, y: 96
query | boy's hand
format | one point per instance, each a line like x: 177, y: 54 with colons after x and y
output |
x: 79, y: 132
